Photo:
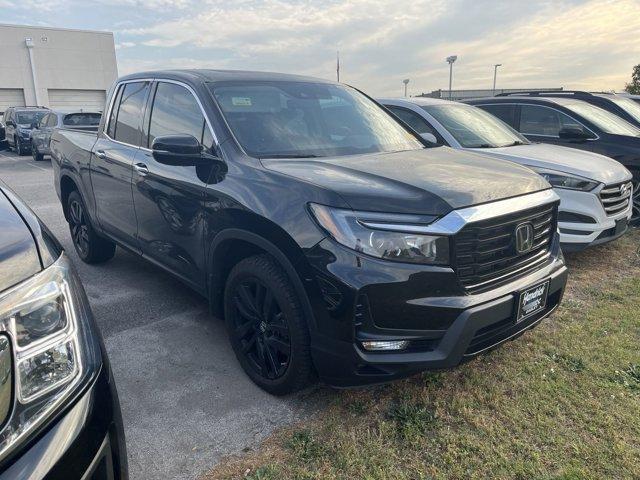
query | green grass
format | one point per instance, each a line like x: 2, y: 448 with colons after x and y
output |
x: 560, y: 402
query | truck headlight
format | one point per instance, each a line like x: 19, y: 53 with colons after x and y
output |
x: 387, y: 236
x: 53, y: 347
x: 564, y: 180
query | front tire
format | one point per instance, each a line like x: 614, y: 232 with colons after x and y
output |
x: 91, y: 247
x: 266, y: 326
x: 635, y: 215
x: 18, y: 146
x: 38, y: 157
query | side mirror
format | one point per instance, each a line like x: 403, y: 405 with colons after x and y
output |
x: 178, y: 150
x: 573, y: 133
x: 429, y: 137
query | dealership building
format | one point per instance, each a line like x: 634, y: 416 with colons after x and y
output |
x: 56, y: 68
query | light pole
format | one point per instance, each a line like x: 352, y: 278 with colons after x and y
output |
x: 406, y: 82
x: 450, y: 61
x: 495, y: 73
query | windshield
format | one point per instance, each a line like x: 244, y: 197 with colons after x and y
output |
x: 472, y: 127
x: 628, y: 105
x: 304, y: 119
x: 82, y: 119
x: 27, y: 118
x: 606, y: 121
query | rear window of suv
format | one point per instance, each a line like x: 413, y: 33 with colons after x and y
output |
x: 82, y: 119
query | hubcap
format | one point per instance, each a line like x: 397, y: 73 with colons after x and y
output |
x: 79, y: 229
x: 261, y: 329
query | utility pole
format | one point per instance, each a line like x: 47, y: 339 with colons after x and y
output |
x: 338, y: 65
x: 406, y: 82
x: 450, y: 60
x: 495, y: 74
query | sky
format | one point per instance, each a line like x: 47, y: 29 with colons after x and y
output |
x: 571, y: 43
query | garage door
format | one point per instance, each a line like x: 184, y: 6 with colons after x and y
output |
x: 11, y: 97
x: 77, y: 99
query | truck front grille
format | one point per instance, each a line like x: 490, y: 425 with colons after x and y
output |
x: 485, y: 253
x: 6, y: 378
x: 616, y: 198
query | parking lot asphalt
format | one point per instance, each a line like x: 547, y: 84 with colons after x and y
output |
x: 185, y: 400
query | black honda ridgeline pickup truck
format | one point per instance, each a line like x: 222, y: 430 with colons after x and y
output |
x: 333, y: 240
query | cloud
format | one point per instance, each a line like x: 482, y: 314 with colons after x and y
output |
x: 569, y: 43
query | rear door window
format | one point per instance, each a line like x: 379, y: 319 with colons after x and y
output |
x: 128, y: 122
x: 504, y: 112
x: 545, y: 121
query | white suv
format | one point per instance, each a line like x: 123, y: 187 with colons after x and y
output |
x: 595, y: 190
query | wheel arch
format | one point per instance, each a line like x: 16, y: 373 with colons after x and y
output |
x: 233, y: 245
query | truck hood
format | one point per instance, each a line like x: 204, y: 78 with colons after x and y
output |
x: 564, y: 159
x: 432, y: 181
x: 19, y: 257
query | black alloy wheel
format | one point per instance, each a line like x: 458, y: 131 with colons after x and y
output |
x: 261, y: 329
x: 79, y: 228
x: 91, y: 247
x: 266, y: 325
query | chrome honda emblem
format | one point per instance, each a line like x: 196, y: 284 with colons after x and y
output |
x: 524, y: 237
x: 624, y: 189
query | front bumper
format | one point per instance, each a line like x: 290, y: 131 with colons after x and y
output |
x: 86, y: 442
x: 579, y: 233
x: 425, y: 305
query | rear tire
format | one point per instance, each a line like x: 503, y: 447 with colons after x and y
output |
x: 91, y: 247
x: 266, y: 326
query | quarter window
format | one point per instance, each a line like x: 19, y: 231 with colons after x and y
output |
x: 175, y: 112
x: 129, y: 117
x: 537, y: 120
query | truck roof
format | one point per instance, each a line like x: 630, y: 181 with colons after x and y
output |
x: 207, y: 75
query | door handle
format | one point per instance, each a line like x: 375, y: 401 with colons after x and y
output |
x: 142, y: 169
x: 100, y: 154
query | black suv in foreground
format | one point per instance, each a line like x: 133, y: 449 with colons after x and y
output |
x: 19, y: 121
x: 572, y: 122
x: 59, y: 410
x: 330, y: 237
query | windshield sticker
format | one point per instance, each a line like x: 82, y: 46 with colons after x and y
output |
x: 241, y: 101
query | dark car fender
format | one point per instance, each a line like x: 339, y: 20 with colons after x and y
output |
x: 294, y: 264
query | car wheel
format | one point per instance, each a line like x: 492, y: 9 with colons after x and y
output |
x: 266, y: 325
x: 635, y: 216
x: 91, y: 247
x: 38, y: 157
x: 18, y: 144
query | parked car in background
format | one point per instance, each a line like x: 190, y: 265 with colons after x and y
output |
x: 2, y: 128
x: 328, y: 235
x: 59, y: 410
x: 617, y: 104
x: 573, y: 123
x: 635, y: 98
x: 19, y: 121
x: 41, y: 135
x: 589, y: 214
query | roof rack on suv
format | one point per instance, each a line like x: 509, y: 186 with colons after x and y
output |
x: 34, y: 106
x: 535, y: 93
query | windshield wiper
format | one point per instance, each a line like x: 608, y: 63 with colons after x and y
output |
x: 290, y: 155
x: 516, y: 143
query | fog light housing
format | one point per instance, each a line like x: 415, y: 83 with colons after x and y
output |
x: 385, y: 345
x: 46, y: 370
